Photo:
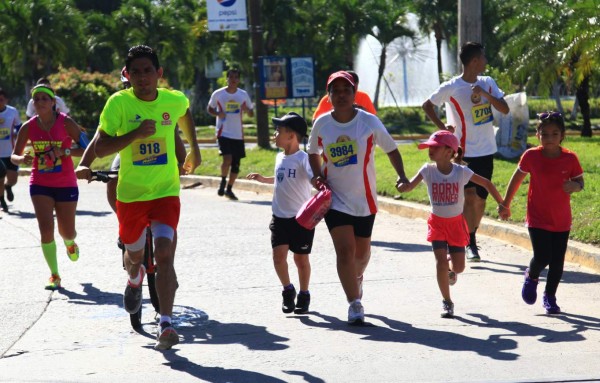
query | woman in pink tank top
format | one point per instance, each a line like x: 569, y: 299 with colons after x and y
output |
x: 53, y: 185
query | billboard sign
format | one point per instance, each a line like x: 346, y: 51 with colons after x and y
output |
x: 227, y: 15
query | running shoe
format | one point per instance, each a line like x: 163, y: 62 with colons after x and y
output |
x: 302, y: 303
x: 529, y: 291
x: 288, y: 304
x: 221, y: 192
x: 550, y: 305
x: 9, y: 193
x: 229, y: 194
x: 3, y: 205
x: 473, y: 253
x: 132, y: 297
x: 53, y: 282
x: 356, y: 313
x: 447, y: 309
x: 166, y: 337
x: 452, y: 278
x: 73, y: 252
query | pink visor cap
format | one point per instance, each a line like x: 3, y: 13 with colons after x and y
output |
x: 441, y: 138
x: 343, y: 75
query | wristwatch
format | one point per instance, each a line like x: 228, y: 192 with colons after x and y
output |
x: 67, y: 152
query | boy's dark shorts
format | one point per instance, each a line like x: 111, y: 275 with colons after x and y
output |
x: 484, y: 167
x: 287, y: 231
x: 363, y: 226
x: 235, y: 148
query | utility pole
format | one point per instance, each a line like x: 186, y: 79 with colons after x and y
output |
x: 469, y: 24
x: 262, y: 113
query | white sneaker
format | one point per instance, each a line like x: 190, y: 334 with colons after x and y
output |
x: 356, y: 312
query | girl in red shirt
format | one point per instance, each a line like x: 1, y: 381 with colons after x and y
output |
x: 555, y: 174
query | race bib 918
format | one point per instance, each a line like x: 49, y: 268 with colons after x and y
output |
x: 482, y: 114
x: 150, y: 151
x: 343, y: 153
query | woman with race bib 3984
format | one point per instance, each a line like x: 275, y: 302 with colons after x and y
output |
x: 341, y: 151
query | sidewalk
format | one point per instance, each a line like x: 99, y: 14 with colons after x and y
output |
x: 577, y: 252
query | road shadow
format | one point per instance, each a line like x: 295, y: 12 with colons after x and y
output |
x: 402, y: 247
x: 495, y: 347
x: 94, y: 296
x: 573, y: 277
x: 94, y: 213
x: 261, y: 203
x: 216, y: 374
x: 526, y: 330
x: 21, y: 214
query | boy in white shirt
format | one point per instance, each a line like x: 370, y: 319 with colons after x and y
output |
x: 292, y: 189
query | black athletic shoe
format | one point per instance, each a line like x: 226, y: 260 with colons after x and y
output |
x: 9, y: 193
x: 3, y: 205
x: 288, y: 300
x: 229, y: 194
x: 221, y: 192
x: 302, y: 303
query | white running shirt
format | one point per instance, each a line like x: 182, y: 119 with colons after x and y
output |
x: 9, y: 118
x: 469, y: 113
x: 231, y: 104
x: 348, y: 152
x: 292, y: 183
x: 446, y: 191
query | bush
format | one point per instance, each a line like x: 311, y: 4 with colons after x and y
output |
x: 86, y: 93
x: 402, y: 119
x: 539, y: 105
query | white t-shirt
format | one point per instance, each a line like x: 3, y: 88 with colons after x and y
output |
x: 9, y: 118
x: 292, y: 183
x: 446, y: 191
x: 60, y: 107
x: 469, y: 113
x: 231, y: 104
x: 348, y: 151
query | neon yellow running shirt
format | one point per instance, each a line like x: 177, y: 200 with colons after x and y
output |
x: 148, y: 166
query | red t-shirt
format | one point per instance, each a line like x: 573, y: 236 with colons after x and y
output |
x: 548, y: 206
x: 361, y: 99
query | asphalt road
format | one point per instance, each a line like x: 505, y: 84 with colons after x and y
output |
x: 229, y: 318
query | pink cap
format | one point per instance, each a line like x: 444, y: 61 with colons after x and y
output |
x: 441, y: 138
x: 343, y: 75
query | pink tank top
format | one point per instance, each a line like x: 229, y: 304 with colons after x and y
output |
x: 48, y: 169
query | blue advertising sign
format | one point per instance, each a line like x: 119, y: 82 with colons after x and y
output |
x: 285, y: 77
x: 303, y: 77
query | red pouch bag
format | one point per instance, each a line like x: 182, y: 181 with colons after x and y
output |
x: 313, y: 210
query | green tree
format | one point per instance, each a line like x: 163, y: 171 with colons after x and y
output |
x: 388, y: 19
x: 439, y: 17
x: 38, y: 36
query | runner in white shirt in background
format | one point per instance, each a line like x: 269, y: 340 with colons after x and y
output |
x: 228, y: 104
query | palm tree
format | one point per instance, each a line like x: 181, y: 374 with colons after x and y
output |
x: 35, y: 38
x: 389, y: 21
x: 440, y: 18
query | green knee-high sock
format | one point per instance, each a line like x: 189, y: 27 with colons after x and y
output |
x: 49, y: 250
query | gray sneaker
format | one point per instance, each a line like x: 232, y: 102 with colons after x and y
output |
x: 356, y: 313
x: 447, y: 309
x: 473, y: 254
x: 166, y: 337
x: 132, y: 297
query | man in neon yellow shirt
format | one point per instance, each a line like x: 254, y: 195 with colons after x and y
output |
x: 139, y: 123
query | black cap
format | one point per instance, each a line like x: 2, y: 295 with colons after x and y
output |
x: 293, y: 121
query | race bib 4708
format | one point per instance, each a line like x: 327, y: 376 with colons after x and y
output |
x: 482, y: 114
x: 149, y: 151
